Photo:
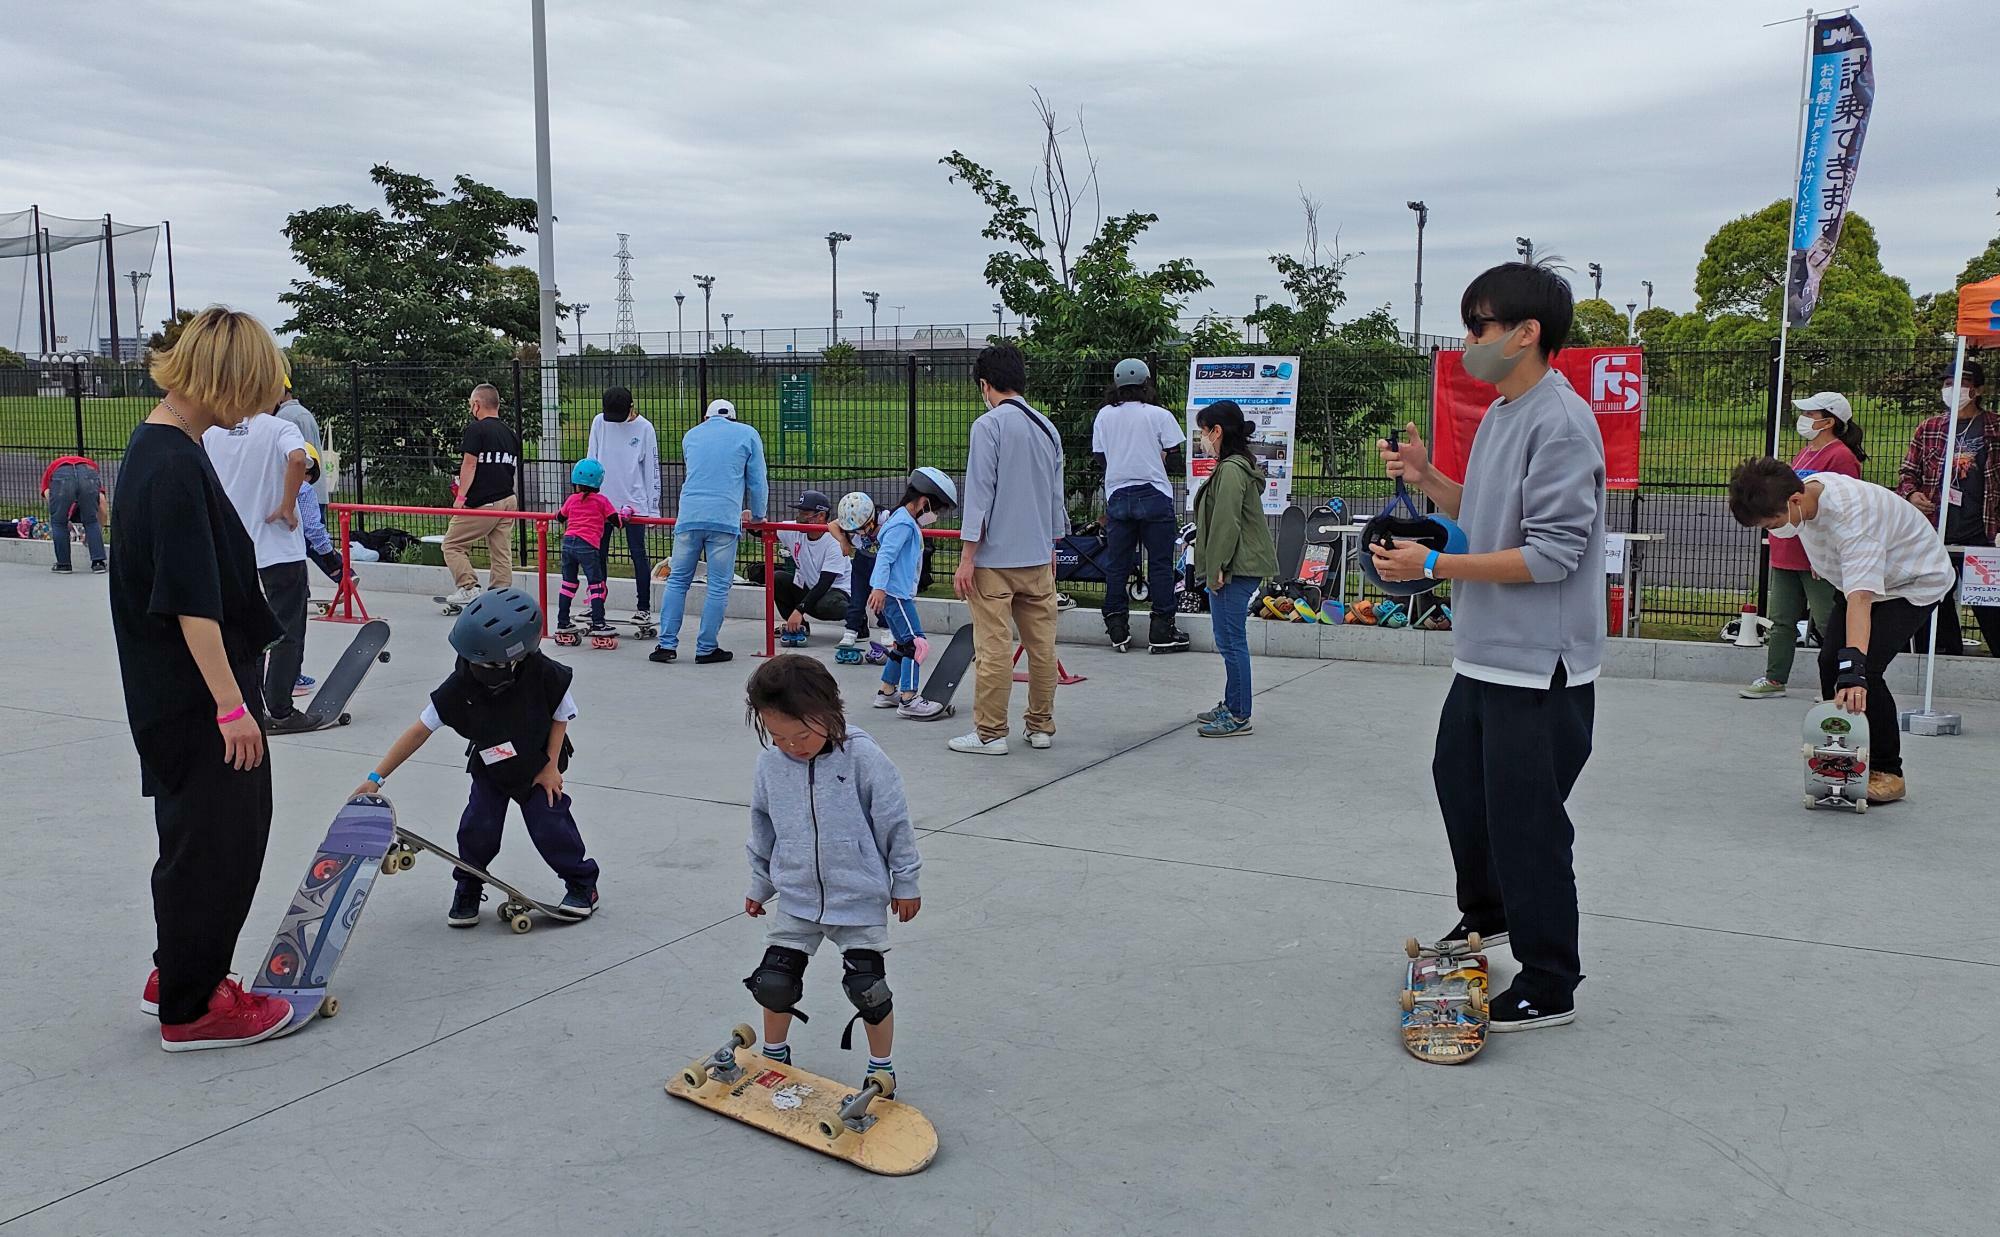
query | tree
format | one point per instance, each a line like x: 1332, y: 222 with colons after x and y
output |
x: 1937, y: 312
x: 1597, y: 323
x: 841, y: 364
x: 1742, y: 273
x: 10, y: 359
x: 1650, y: 322
x: 420, y: 285
x: 170, y: 330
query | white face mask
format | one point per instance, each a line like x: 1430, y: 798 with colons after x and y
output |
x: 1808, y: 427
x: 927, y: 519
x: 1965, y: 397
x: 1786, y: 531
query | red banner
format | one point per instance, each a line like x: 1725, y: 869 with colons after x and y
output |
x: 1611, y: 380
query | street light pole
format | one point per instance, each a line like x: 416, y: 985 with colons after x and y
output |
x: 725, y: 328
x: 999, y: 321
x: 545, y: 246
x: 678, y: 298
x: 1631, y: 320
x: 873, y: 299
x: 138, y: 336
x: 1596, y: 281
x: 707, y: 285
x: 1647, y: 284
x: 1524, y: 247
x: 833, y: 240
x: 581, y: 309
x: 1417, y: 317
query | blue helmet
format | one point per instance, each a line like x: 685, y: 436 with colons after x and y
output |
x: 587, y: 472
x: 498, y: 628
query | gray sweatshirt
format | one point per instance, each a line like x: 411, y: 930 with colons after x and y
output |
x: 1535, y: 482
x: 832, y: 837
x: 1014, y: 488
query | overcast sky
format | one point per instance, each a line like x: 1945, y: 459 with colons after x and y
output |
x: 729, y: 137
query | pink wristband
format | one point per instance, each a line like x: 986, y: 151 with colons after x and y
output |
x: 226, y: 718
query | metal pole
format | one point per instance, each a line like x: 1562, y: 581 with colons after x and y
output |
x: 910, y: 437
x: 1417, y: 318
x: 545, y: 244
x: 360, y: 434
x: 41, y: 303
x: 111, y: 286
x: 173, y: 301
x: 1943, y: 507
x: 49, y: 259
x: 1785, y: 276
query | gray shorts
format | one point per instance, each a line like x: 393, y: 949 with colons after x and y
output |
x: 791, y: 932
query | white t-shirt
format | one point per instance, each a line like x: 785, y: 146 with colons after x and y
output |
x: 817, y: 557
x: 1868, y: 539
x: 250, y: 462
x: 630, y: 453
x: 1131, y: 437
x: 565, y: 712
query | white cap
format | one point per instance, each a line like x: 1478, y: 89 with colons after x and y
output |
x: 1827, y: 401
x: 721, y: 408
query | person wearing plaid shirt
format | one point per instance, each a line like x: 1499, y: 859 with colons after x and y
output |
x: 1973, y: 518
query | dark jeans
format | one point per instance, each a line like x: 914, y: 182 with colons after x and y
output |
x: 1505, y: 762
x: 642, y: 566
x: 1891, y: 623
x: 1229, y: 615
x: 860, y: 579
x: 213, y: 825
x: 787, y: 594
x: 1950, y: 640
x: 73, y: 491
x: 1135, y: 516
x: 285, y: 590
x: 550, y: 827
x: 579, y: 556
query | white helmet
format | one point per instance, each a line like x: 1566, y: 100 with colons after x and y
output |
x: 935, y: 485
x: 854, y: 511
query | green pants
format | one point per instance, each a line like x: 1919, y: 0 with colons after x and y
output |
x: 1792, y: 593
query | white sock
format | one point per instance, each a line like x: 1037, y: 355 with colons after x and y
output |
x: 779, y: 1047
x: 875, y: 1062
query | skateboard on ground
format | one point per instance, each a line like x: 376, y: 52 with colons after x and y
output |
x: 370, y: 645
x: 449, y: 606
x: 949, y: 669
x: 863, y: 1126
x: 401, y: 856
x: 1444, y: 1002
x: 315, y: 930
x: 1291, y: 553
x: 1836, y: 752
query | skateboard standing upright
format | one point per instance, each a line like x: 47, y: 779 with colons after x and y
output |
x: 315, y: 930
x: 1836, y: 752
x: 949, y: 669
x: 401, y: 856
x: 864, y: 1126
x: 329, y: 704
x: 1291, y: 553
x: 1444, y: 1002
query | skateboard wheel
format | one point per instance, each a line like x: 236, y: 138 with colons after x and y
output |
x: 520, y: 923
x: 406, y: 861
x: 382, y: 656
x: 696, y: 1075
x: 1477, y: 1000
x: 1412, y: 948
x: 1408, y: 1000
x: 885, y: 1082
x: 743, y: 1035
x: 1861, y: 805
x: 829, y: 1130
x: 346, y: 718
x: 1472, y: 942
x: 329, y: 1007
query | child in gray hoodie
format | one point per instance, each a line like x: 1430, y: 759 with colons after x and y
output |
x: 830, y: 837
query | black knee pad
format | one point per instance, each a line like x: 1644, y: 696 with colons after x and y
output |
x: 901, y: 650
x: 865, y: 980
x: 779, y: 981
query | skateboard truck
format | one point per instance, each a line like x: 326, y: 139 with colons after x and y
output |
x: 854, y: 1114
x: 720, y: 1065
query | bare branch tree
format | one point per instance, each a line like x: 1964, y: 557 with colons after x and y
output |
x: 1056, y: 190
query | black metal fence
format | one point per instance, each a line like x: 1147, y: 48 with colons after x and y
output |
x: 863, y: 422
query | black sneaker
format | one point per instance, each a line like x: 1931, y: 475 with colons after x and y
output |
x: 464, y: 912
x: 580, y: 901
x: 295, y: 722
x: 60, y: 570
x: 1456, y: 938
x: 663, y: 656
x: 1514, y: 1010
x: 98, y: 567
x: 713, y: 656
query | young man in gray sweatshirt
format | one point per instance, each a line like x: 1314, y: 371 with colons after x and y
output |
x: 1528, y: 620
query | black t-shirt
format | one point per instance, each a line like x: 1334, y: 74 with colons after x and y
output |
x: 181, y: 551
x: 521, y: 714
x: 1965, y: 523
x: 495, y: 449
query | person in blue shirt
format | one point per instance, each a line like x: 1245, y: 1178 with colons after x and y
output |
x: 725, y: 491
x: 899, y: 557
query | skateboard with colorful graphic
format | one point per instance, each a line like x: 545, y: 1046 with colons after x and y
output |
x: 1444, y: 1002
x: 329, y: 704
x: 315, y: 930
x: 865, y: 1126
x: 401, y: 856
x: 1836, y: 752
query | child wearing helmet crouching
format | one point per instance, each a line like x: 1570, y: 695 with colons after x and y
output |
x: 512, y: 706
x: 587, y: 518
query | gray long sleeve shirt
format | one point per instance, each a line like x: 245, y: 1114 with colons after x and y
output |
x: 831, y: 837
x: 1534, y: 482
x: 1014, y: 488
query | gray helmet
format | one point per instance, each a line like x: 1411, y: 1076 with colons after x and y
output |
x: 1130, y: 373
x: 498, y: 628
x: 933, y: 484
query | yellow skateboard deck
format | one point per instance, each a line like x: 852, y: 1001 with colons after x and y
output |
x: 806, y: 1108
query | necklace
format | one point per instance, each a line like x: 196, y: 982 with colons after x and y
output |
x: 169, y: 406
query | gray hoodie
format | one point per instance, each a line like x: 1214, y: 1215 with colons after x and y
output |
x: 832, y: 837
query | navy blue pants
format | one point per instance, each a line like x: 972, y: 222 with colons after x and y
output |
x: 860, y: 582
x: 550, y: 827
x: 579, y: 557
x: 1139, y: 516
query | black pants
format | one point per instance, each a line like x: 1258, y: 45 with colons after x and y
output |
x: 551, y: 828
x: 1139, y: 516
x: 860, y: 577
x: 1950, y: 640
x: 1892, y: 621
x: 642, y: 566
x: 786, y: 594
x: 285, y: 590
x: 1506, y: 760
x: 213, y: 822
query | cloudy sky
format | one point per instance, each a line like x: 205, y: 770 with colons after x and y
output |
x: 729, y: 137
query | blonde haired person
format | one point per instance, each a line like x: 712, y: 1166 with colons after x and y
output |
x: 191, y: 626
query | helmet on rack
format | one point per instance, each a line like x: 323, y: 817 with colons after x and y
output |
x: 587, y: 472
x: 933, y: 484
x: 497, y: 628
x: 855, y: 510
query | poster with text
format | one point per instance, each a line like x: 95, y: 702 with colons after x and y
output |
x: 1611, y: 380
x: 1979, y: 579
x: 1266, y: 388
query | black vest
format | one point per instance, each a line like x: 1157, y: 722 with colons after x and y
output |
x: 521, y: 714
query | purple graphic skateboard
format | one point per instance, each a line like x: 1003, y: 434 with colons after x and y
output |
x: 315, y: 930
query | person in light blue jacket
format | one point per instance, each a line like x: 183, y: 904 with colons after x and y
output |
x: 725, y: 491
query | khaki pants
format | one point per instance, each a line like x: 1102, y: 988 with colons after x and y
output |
x: 466, y: 531
x: 1027, y: 595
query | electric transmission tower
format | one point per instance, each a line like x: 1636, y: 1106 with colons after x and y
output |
x: 625, y: 333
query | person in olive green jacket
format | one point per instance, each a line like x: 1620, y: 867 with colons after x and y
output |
x: 1233, y: 553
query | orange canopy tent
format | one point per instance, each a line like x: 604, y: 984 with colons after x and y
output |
x: 1979, y: 312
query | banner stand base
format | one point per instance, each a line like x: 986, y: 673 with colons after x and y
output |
x: 1917, y: 721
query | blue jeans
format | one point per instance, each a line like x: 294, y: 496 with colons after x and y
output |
x: 1229, y: 612
x: 73, y: 491
x: 858, y: 581
x: 1139, y: 515
x: 901, y: 672
x: 689, y: 545
x: 579, y: 557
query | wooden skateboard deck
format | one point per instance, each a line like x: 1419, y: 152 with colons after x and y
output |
x: 949, y: 669
x: 315, y: 930
x: 1836, y: 755
x: 329, y: 704
x: 806, y: 1109
x: 513, y: 912
x: 1444, y: 1003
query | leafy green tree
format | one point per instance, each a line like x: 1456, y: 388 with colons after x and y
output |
x: 841, y: 365
x: 10, y: 359
x: 1597, y: 322
x: 1937, y: 312
x: 1742, y: 272
x: 170, y: 330
x: 1649, y: 322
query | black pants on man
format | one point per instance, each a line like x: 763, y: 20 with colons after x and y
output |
x: 285, y: 591
x: 1892, y: 621
x: 1506, y: 760
x: 787, y: 592
x: 1139, y: 517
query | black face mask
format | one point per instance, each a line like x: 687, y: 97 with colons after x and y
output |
x: 492, y: 678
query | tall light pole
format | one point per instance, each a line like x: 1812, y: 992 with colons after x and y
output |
x: 1647, y: 284
x: 1631, y: 320
x: 581, y: 309
x: 707, y: 285
x: 678, y: 298
x: 1524, y: 247
x: 1259, y: 300
x: 545, y: 246
x: 873, y: 299
x: 833, y: 240
x: 999, y: 321
x: 138, y: 330
x: 1417, y: 318
x: 725, y: 328
x: 1596, y: 281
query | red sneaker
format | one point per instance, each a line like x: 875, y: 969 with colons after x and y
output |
x: 234, y: 1017
x: 149, y: 1000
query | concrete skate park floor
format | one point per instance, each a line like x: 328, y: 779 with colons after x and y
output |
x: 1152, y: 988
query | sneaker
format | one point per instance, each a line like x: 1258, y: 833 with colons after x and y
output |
x: 1040, y: 740
x: 1885, y: 787
x: 712, y: 657
x: 464, y: 912
x: 98, y: 567
x: 462, y: 597
x: 642, y: 618
x: 1177, y: 642
x: 848, y: 639
x: 1215, y: 714
x: 886, y: 700
x: 295, y: 722
x: 1762, y: 688
x: 1224, y: 727
x: 234, y: 1017
x: 580, y: 901
x: 918, y: 709
x: 977, y: 746
x: 304, y: 685
x: 149, y: 999
x: 60, y: 570
x: 1064, y: 602
x: 1514, y: 1010
x: 1456, y: 938
x: 662, y: 656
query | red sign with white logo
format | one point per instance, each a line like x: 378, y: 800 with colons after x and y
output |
x: 1611, y: 380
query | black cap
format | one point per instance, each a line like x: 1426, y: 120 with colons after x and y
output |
x: 1975, y: 375
x: 813, y: 500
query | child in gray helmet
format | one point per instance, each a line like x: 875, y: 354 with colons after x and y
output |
x: 513, y: 707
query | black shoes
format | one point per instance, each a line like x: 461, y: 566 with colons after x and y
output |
x: 1455, y: 939
x: 1514, y: 1010
x: 295, y: 722
x: 713, y: 656
x: 662, y: 656
x: 1165, y: 637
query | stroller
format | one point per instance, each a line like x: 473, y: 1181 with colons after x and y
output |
x: 1080, y: 559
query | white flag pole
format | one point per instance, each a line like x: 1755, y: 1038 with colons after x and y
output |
x: 1791, y: 229
x: 1943, y: 509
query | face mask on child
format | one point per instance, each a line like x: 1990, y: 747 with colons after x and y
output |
x: 492, y: 678
x: 927, y: 519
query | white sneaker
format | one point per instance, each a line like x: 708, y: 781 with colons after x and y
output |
x: 848, y: 639
x: 1040, y: 740
x: 462, y: 597
x: 921, y: 710
x: 886, y: 700
x: 641, y: 617
x: 973, y: 744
